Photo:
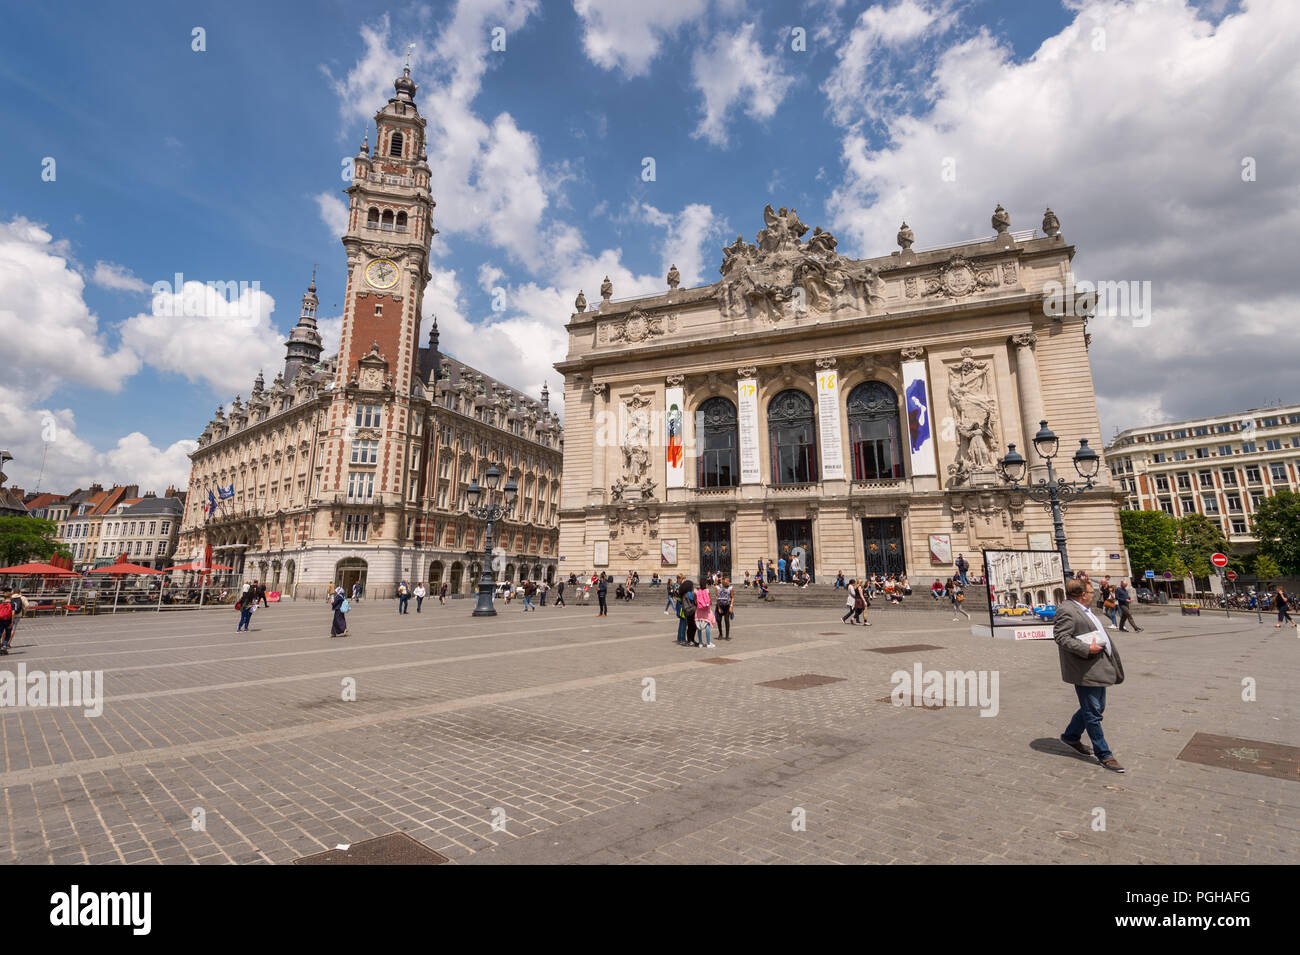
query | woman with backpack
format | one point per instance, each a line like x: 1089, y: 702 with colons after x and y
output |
x: 704, y: 617
x: 339, y: 604
x: 686, y: 614
x: 10, y: 608
x: 850, y: 595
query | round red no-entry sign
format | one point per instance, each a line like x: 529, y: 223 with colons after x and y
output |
x: 1219, y: 560
x: 1232, y: 575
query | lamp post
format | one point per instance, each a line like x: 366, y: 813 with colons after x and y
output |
x: 1054, y: 493
x: 489, y: 513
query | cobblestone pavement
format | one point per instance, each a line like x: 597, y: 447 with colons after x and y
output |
x: 537, y: 738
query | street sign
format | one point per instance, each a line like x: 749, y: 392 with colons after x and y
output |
x: 1219, y: 560
x: 1232, y: 575
x: 1149, y: 574
x: 1169, y: 575
x: 1116, y: 556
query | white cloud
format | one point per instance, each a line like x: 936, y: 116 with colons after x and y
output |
x: 205, y: 335
x: 1138, y: 147
x: 66, y: 461
x: 117, y: 277
x: 50, y: 334
x: 861, y: 79
x: 732, y: 69
x: 626, y: 34
x: 333, y: 212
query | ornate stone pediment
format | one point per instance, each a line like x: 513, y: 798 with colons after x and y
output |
x: 781, y: 275
x: 372, y: 370
x: 636, y: 327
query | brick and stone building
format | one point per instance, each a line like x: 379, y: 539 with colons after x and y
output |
x: 351, y: 468
x: 849, y: 412
x: 1222, y: 466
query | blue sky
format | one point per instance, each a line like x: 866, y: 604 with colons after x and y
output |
x: 224, y: 165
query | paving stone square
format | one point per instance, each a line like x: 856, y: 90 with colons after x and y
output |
x: 558, y: 737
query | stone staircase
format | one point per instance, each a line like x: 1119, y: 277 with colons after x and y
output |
x: 823, y: 596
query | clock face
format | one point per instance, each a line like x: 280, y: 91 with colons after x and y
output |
x: 382, y: 273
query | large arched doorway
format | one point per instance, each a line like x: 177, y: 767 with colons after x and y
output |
x: 550, y: 574
x: 275, y: 575
x: 471, y: 582
x: 509, y: 577
x: 457, y: 577
x: 348, y: 572
x: 289, y: 569
x: 435, y: 575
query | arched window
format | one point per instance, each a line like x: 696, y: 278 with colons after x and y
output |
x: 395, y: 145
x: 873, y: 432
x: 372, y: 218
x: 719, y: 459
x: 387, y: 221
x: 401, y: 222
x: 792, y: 439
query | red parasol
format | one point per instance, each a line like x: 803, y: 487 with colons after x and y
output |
x: 198, y: 565
x: 121, y: 567
x: 38, y: 570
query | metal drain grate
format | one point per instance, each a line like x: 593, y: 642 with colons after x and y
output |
x: 396, y: 848
x: 1243, y: 755
x: 906, y: 648
x: 717, y: 660
x: 803, y: 681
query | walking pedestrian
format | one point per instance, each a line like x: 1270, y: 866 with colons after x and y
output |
x: 419, y: 597
x: 559, y: 594
x: 704, y: 619
x: 1283, y: 607
x: 245, y: 605
x: 442, y: 594
x: 530, y: 588
x: 1108, y: 602
x: 849, y: 599
x: 1122, y: 599
x: 602, y: 591
x: 670, y: 606
x: 860, y: 604
x: 541, y: 592
x: 726, y: 594
x: 1090, y: 662
x: 11, y: 608
x: 403, y: 597
x: 340, y: 606
x: 957, y: 596
x: 782, y: 571
x: 356, y: 591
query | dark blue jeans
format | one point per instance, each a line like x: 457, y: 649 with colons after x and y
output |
x: 245, y: 615
x: 1092, y: 703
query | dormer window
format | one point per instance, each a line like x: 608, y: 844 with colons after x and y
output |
x: 395, y: 145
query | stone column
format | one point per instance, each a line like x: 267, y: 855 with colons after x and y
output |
x: 1031, y: 398
x: 599, y: 394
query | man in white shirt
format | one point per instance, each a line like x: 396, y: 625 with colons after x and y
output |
x: 1090, y: 662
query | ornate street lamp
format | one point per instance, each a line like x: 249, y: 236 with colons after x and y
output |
x: 490, y: 513
x: 1054, y: 493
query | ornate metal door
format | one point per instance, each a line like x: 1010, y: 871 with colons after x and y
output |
x: 882, y: 539
x: 715, y: 548
x: 794, y: 539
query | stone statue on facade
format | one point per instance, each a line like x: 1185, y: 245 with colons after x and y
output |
x: 674, y: 277
x: 1001, y: 220
x: 975, y: 416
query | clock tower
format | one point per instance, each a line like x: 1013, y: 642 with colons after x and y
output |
x: 379, y: 410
